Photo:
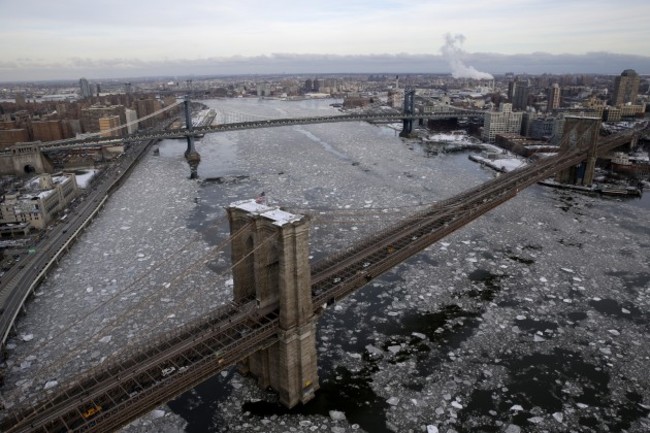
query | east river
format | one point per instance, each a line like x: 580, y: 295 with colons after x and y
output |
x: 532, y: 318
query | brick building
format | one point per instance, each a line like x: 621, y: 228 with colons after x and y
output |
x: 107, y: 125
x: 9, y: 137
x: 48, y: 130
x: 90, y: 116
x: 145, y: 107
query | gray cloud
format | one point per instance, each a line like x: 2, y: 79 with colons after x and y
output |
x: 535, y: 63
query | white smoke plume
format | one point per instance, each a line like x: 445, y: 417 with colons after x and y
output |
x: 452, y: 53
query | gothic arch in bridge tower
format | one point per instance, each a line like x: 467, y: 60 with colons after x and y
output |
x: 28, y: 159
x: 580, y: 133
x: 270, y: 256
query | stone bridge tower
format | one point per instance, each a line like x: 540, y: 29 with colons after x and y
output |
x: 580, y: 133
x: 270, y: 255
x: 27, y: 159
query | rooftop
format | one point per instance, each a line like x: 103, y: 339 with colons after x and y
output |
x: 273, y: 213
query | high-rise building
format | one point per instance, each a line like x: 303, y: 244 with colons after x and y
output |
x: 145, y: 107
x: 85, y: 88
x: 518, y: 91
x: 131, y: 118
x: 502, y: 121
x: 626, y: 87
x: 107, y: 125
x: 47, y: 130
x: 511, y: 90
x: 395, y: 98
x: 9, y: 137
x: 544, y: 127
x: 521, y: 97
x: 90, y: 116
x: 553, y: 97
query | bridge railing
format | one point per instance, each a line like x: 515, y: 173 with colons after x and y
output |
x: 121, y: 361
x: 173, y: 385
x: 225, y: 345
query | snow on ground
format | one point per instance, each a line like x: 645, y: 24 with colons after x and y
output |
x: 498, y: 159
x: 83, y: 180
x: 452, y: 137
x: 395, y: 126
x: 508, y: 163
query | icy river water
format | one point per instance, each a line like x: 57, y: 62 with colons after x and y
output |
x: 534, y: 318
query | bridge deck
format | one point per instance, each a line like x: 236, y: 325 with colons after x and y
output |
x: 387, y: 116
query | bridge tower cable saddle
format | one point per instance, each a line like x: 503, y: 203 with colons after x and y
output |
x: 278, y: 276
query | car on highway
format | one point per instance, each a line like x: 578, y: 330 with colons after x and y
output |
x: 91, y: 411
x: 167, y: 371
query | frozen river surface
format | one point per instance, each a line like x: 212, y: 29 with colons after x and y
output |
x: 533, y: 318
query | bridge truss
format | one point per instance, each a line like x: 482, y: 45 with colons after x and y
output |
x: 387, y: 116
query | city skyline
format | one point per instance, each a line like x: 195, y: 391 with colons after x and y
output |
x: 120, y: 39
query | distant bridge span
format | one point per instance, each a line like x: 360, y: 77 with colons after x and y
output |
x: 388, y: 116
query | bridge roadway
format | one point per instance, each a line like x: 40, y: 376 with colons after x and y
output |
x: 136, y: 381
x: 389, y: 116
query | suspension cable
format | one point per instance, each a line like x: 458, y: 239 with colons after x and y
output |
x: 108, y: 326
x: 120, y: 352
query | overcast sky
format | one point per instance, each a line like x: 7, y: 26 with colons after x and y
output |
x: 96, y: 38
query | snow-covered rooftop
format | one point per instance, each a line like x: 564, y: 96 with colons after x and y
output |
x: 84, y: 179
x: 46, y: 193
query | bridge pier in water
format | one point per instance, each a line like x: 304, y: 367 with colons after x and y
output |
x: 191, y: 155
x: 270, y: 253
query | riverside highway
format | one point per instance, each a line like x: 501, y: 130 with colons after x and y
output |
x: 34, y: 267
